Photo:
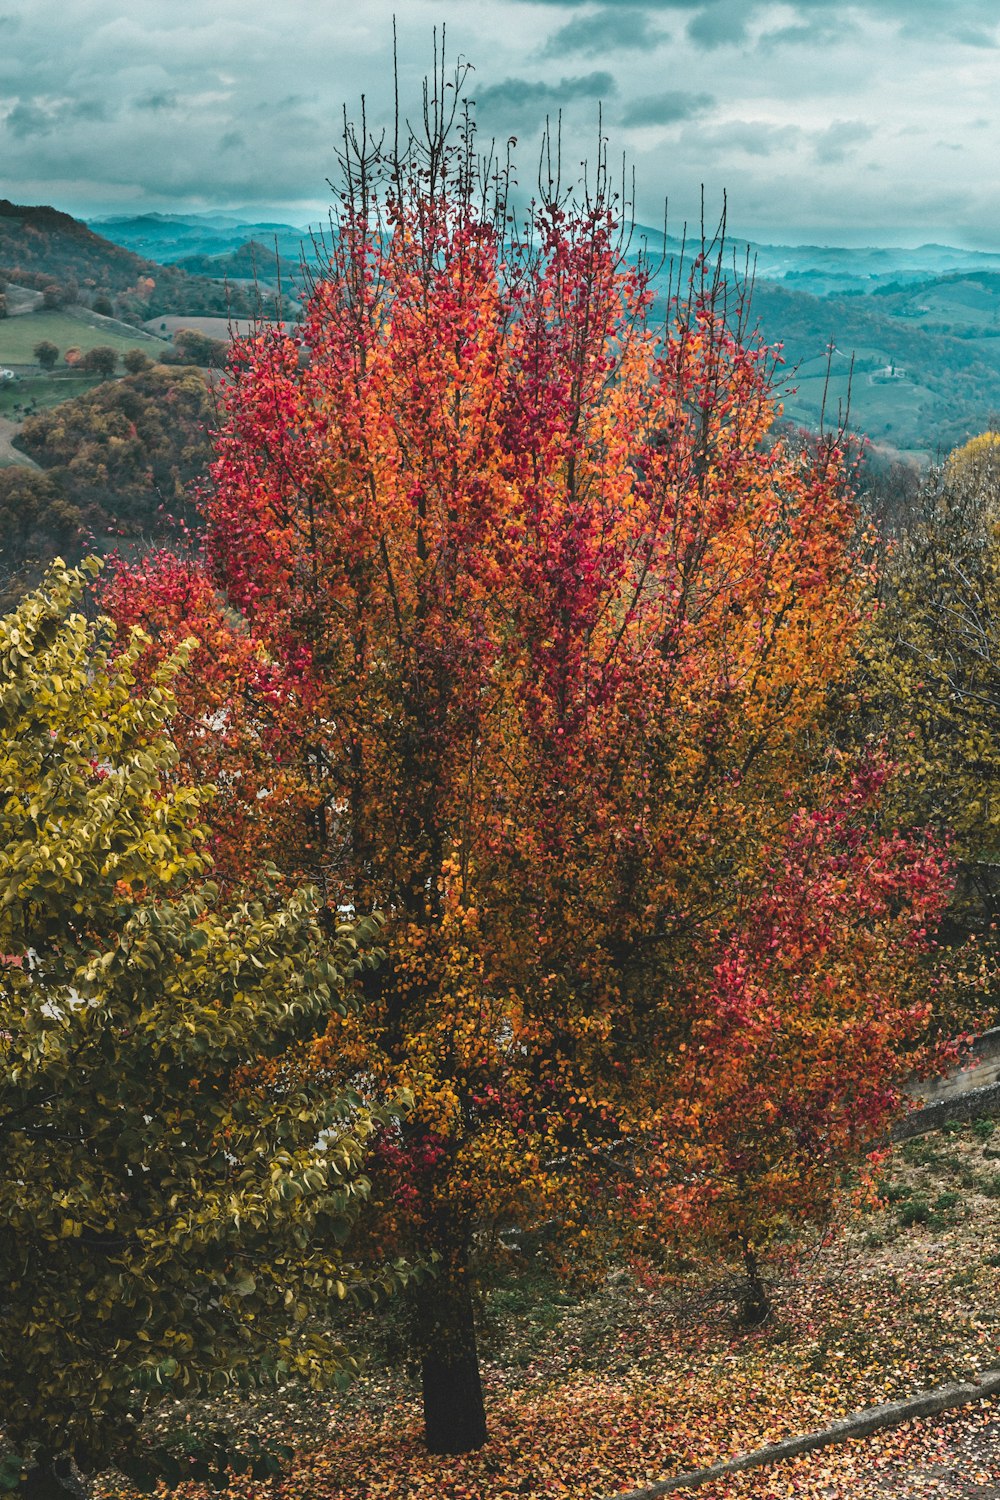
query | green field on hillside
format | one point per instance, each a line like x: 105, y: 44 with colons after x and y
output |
x: 888, y: 412
x: 67, y: 329
x: 39, y: 392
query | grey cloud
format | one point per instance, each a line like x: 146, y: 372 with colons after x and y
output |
x: 667, y: 108
x: 836, y: 143
x: 720, y: 22
x: 87, y: 109
x: 158, y: 100
x: 520, y: 96
x: 721, y: 25
x: 972, y: 22
x: 752, y: 137
x: 969, y: 24
x: 26, y: 120
x: 604, y: 31
x: 815, y: 33
x: 765, y: 140
x: 625, y: 4
x: 975, y: 36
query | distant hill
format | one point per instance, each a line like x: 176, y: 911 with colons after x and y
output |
x: 912, y: 358
x: 260, y: 272
x: 929, y: 315
x: 828, y: 269
x: 820, y: 269
x: 169, y: 238
x: 40, y: 248
x: 252, y: 262
x: 922, y: 383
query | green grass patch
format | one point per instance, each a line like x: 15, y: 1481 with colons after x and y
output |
x: 67, y: 329
x: 20, y: 398
x: 922, y: 1152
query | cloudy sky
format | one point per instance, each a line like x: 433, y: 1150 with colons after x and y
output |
x: 876, y: 121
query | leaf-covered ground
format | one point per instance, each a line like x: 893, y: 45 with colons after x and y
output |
x: 589, y: 1397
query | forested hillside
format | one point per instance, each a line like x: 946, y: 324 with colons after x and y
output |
x: 49, y: 251
x: 918, y: 382
x: 114, y: 467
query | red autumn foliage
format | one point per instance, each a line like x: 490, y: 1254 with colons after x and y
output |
x: 518, y: 624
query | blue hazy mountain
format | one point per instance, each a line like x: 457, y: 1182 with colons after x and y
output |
x: 820, y: 269
x: 903, y: 342
x: 169, y: 238
x: 824, y: 269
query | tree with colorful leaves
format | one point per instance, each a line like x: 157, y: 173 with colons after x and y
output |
x: 520, y: 625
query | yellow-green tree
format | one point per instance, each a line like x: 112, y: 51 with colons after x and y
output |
x: 165, y: 1226
x: 935, y: 667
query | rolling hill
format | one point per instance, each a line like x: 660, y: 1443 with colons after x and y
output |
x: 40, y: 248
x: 909, y: 359
x: 920, y: 384
x: 910, y: 336
x: 170, y: 238
x: 69, y: 327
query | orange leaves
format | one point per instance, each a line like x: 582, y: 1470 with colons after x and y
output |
x: 520, y: 625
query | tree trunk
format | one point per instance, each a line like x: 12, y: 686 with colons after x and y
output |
x: 53, y: 1477
x: 454, y: 1411
x: 755, y: 1307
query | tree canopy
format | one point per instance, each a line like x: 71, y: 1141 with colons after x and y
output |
x: 519, y: 622
x: 935, y: 668
x: 165, y: 1225
x: 117, y: 466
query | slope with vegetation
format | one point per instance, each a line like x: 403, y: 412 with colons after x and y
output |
x: 114, y: 467
x: 56, y: 254
x: 934, y: 667
x: 915, y: 387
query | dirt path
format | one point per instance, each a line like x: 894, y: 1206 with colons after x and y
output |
x: 8, y: 454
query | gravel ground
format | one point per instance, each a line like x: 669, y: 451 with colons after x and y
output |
x: 955, y: 1456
